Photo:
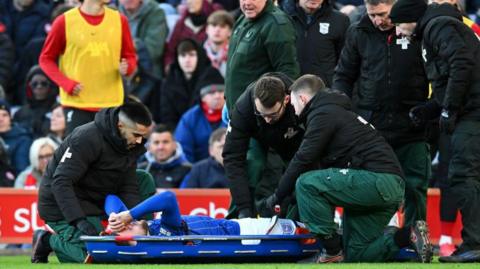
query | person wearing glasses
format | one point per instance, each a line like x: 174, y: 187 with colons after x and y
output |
x: 41, y: 95
x: 262, y: 112
x: 41, y: 152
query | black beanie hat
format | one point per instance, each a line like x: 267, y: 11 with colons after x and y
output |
x: 405, y: 11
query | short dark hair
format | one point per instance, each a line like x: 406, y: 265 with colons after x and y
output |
x: 186, y: 46
x: 137, y: 112
x: 377, y: 2
x: 221, y: 17
x: 269, y: 90
x: 162, y: 128
x: 217, y: 135
x: 309, y: 83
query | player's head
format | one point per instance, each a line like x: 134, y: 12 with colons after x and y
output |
x: 135, y: 228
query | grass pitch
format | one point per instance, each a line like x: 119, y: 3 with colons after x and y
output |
x: 24, y: 262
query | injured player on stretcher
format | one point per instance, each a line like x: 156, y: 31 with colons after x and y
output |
x: 125, y: 222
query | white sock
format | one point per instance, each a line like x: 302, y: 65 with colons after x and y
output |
x: 445, y: 239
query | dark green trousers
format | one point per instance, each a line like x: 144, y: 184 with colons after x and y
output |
x: 416, y: 165
x: 66, y: 242
x: 369, y: 201
x: 464, y: 175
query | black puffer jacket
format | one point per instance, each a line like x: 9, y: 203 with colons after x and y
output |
x: 320, y: 41
x: 284, y: 137
x: 452, y: 59
x: 337, y: 137
x: 389, y: 77
x: 92, y: 162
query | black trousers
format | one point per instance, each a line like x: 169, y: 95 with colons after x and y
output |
x: 76, y: 117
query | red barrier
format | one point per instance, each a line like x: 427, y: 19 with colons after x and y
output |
x: 19, y: 216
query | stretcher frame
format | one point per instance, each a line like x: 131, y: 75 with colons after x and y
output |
x: 201, y: 248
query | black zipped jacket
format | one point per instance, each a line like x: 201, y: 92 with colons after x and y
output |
x: 284, y: 137
x: 320, y: 41
x: 389, y: 77
x: 452, y: 60
x: 92, y: 162
x: 336, y: 137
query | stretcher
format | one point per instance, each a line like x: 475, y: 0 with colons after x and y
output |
x: 200, y: 248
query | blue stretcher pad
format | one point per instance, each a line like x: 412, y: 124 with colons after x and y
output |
x: 200, y: 248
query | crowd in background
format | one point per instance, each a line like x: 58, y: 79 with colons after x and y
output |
x: 182, y: 55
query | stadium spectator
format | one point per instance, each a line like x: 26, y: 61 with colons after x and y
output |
x: 219, y: 30
x: 343, y: 161
x: 41, y: 152
x: 452, y: 62
x: 25, y: 20
x: 320, y: 36
x: 209, y: 173
x: 7, y: 173
x: 264, y: 113
x: 41, y: 95
x: 7, y: 59
x: 95, y: 159
x: 164, y: 159
x: 392, y: 89
x: 192, y: 24
x: 17, y: 139
x: 198, y: 123
x: 32, y: 52
x: 147, y: 24
x: 58, y: 125
x: 190, y: 72
x: 91, y: 36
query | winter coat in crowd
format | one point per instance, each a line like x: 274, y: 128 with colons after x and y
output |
x: 169, y: 173
x: 320, y: 38
x: 206, y: 174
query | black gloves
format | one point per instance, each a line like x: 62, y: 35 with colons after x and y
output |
x: 266, y: 207
x: 245, y: 213
x: 420, y: 114
x: 86, y: 227
x: 448, y: 120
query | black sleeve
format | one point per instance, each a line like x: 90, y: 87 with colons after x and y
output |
x: 348, y: 67
x: 77, y: 155
x: 234, y: 158
x: 340, y: 42
x: 319, y: 132
x: 453, y: 48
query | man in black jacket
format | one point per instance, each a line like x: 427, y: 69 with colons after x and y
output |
x: 96, y: 159
x: 262, y: 112
x: 320, y: 36
x: 451, y: 54
x: 343, y: 161
x: 391, y: 82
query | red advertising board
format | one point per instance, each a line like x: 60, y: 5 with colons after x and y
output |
x: 19, y: 216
